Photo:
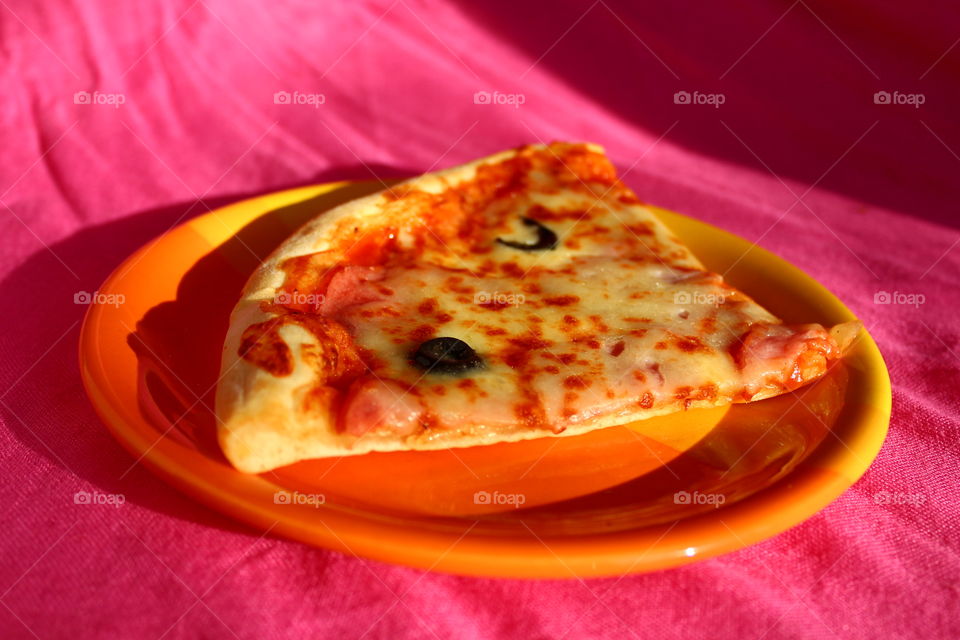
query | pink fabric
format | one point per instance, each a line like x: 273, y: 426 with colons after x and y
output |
x: 83, y: 185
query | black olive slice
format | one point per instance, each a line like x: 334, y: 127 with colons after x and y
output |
x: 446, y: 355
x: 546, y: 239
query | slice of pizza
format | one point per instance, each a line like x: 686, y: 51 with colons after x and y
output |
x: 523, y: 295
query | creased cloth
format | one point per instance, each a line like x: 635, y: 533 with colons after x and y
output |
x: 825, y: 132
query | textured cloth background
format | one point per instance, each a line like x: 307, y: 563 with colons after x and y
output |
x: 180, y: 115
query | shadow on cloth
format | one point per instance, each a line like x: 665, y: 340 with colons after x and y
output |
x: 43, y: 403
x: 798, y: 83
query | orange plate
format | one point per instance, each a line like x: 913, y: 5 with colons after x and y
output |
x: 646, y: 496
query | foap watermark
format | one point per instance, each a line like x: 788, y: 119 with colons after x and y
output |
x: 498, y: 97
x: 299, y: 98
x: 898, y: 297
x: 297, y: 298
x: 712, y: 99
x: 685, y: 497
x: 95, y: 497
x: 498, y: 299
x: 99, y: 98
x: 87, y: 297
x: 698, y: 297
x: 295, y: 497
x: 895, y: 497
x: 496, y: 497
x: 887, y: 97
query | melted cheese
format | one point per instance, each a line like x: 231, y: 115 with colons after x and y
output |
x: 619, y: 315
